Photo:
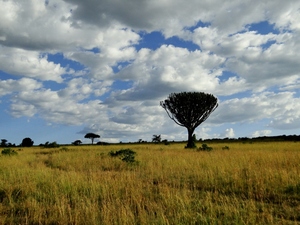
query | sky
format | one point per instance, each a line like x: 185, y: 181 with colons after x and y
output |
x: 71, y: 67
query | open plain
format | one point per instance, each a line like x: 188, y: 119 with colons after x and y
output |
x: 242, y: 183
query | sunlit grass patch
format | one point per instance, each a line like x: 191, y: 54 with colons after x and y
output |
x: 251, y: 183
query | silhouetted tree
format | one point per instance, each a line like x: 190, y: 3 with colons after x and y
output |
x: 156, y: 138
x: 51, y: 145
x: 189, y: 109
x: 77, y: 142
x: 3, y: 143
x: 92, y: 136
x: 27, y: 142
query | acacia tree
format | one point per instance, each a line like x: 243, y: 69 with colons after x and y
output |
x: 189, y: 109
x: 156, y: 138
x: 92, y: 136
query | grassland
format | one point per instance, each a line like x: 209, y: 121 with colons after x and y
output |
x: 256, y: 183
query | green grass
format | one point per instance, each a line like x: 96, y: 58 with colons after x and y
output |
x: 255, y: 183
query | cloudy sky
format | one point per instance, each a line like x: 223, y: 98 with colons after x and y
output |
x: 69, y: 67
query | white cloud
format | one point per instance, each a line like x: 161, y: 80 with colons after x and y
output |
x: 29, y: 64
x: 173, y: 16
x: 261, y: 133
x: 282, y: 108
x: 229, y: 133
x: 232, y: 60
x: 261, y: 60
x: 24, y: 84
x: 70, y: 105
x: 170, y: 69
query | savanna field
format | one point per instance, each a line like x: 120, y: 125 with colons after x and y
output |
x: 249, y: 183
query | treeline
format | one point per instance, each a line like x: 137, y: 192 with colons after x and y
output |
x: 256, y: 139
x: 27, y: 142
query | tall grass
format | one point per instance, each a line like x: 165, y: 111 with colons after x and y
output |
x: 255, y: 183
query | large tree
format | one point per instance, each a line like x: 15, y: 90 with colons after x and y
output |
x: 27, y: 142
x: 92, y: 136
x: 189, y: 109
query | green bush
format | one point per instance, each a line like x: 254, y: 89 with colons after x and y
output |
x: 225, y: 148
x: 205, y: 147
x: 165, y: 142
x: 51, y: 145
x: 126, y: 155
x: 9, y: 152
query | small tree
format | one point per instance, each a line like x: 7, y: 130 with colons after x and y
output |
x: 92, y: 136
x: 189, y: 109
x: 77, y: 142
x: 156, y: 138
x: 27, y: 142
x: 51, y: 145
x: 3, y: 143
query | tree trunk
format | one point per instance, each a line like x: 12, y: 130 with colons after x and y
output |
x: 191, y: 143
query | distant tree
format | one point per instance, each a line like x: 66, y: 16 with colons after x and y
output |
x: 77, y: 142
x: 102, y: 143
x: 165, y: 141
x: 11, y: 145
x: 189, y: 110
x: 3, y: 143
x: 27, y: 142
x: 156, y: 138
x: 51, y: 145
x: 92, y: 136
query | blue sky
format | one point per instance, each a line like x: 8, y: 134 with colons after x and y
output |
x: 70, y: 67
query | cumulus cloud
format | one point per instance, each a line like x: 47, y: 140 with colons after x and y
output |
x: 24, y: 84
x: 229, y: 133
x: 29, y: 64
x: 282, y: 108
x: 254, y: 74
x: 261, y: 133
x: 170, y: 69
x: 173, y: 16
x: 70, y: 105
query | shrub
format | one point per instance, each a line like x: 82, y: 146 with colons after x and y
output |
x: 126, y: 155
x: 77, y: 142
x: 165, y: 141
x: 9, y: 152
x: 102, y: 143
x: 51, y: 145
x: 293, y: 189
x: 205, y: 147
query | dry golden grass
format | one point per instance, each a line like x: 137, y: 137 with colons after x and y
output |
x: 255, y: 183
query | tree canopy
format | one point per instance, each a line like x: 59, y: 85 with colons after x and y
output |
x: 156, y: 138
x: 92, y: 136
x: 189, y: 109
x: 27, y: 142
x: 77, y: 142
